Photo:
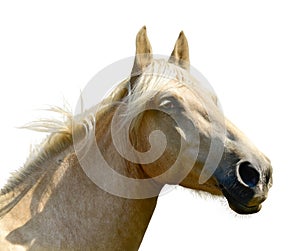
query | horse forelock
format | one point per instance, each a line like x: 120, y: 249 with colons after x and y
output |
x: 160, y: 77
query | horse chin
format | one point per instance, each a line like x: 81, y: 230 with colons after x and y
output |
x: 239, y: 207
x: 242, y: 209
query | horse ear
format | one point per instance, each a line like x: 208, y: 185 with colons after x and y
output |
x: 143, y: 55
x: 180, y: 54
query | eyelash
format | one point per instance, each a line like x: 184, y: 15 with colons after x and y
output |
x: 169, y: 103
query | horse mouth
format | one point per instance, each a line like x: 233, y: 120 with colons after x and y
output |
x: 238, y: 207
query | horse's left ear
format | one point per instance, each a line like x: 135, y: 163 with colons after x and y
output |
x: 180, y: 55
x: 143, y: 55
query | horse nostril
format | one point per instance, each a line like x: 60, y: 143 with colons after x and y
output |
x: 248, y: 174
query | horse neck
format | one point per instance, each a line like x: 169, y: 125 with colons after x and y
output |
x: 68, y: 208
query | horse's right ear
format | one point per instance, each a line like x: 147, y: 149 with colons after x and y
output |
x: 143, y: 55
x: 180, y: 54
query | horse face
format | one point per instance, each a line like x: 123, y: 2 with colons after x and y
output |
x: 243, y: 174
x: 214, y: 156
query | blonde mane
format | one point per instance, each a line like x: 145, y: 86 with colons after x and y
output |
x: 153, y: 81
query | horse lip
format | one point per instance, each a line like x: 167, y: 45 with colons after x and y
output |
x: 237, y: 206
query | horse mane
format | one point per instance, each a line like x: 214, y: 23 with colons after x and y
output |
x: 150, y: 83
x: 60, y: 139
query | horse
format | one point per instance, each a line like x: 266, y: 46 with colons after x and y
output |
x: 64, y: 197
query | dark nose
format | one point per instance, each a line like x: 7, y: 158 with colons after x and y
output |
x: 248, y: 174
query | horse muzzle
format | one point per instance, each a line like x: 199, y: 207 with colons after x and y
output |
x: 241, y: 207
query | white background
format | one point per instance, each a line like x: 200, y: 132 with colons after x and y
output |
x: 248, y: 50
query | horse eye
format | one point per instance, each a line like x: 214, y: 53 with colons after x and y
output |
x: 167, y: 104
